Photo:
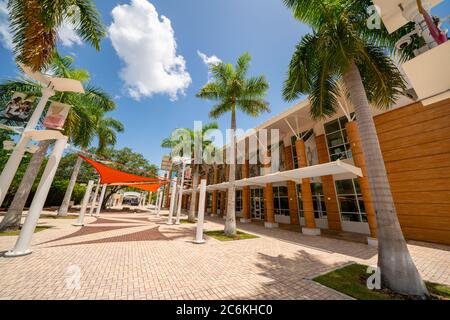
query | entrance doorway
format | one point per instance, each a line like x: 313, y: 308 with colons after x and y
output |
x: 257, y: 204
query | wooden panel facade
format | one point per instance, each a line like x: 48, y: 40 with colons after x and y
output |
x: 415, y: 141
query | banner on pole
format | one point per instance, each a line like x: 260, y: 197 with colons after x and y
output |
x: 19, y: 108
x: 56, y: 116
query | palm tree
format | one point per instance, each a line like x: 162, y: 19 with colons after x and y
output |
x: 194, y: 136
x: 79, y: 125
x: 233, y: 91
x: 34, y: 24
x: 105, y: 129
x: 341, y: 47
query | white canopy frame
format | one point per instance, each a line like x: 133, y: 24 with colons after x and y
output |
x: 296, y: 175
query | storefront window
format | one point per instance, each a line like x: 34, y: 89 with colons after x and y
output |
x: 337, y: 139
x: 238, y: 200
x: 350, y: 200
x: 320, y: 210
x: 281, y: 201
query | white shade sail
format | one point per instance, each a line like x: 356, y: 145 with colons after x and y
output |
x: 331, y: 168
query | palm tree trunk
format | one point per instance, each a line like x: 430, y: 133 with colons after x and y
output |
x: 13, y: 217
x: 62, y: 212
x: 397, y: 268
x: 191, y: 215
x: 230, y: 222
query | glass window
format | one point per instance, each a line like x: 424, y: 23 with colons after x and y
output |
x: 337, y: 139
x: 350, y: 200
x: 281, y: 201
x: 238, y: 200
x: 320, y: 210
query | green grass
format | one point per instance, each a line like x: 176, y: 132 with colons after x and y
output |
x: 185, y: 221
x: 351, y: 280
x: 52, y: 216
x: 220, y: 235
x: 16, y: 232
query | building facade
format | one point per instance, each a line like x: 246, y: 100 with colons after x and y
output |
x: 415, y: 142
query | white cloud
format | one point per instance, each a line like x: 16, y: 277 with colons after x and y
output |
x: 67, y: 35
x: 146, y: 43
x: 5, y: 33
x: 212, y: 60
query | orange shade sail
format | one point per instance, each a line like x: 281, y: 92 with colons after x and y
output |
x: 110, y: 175
x: 147, y: 187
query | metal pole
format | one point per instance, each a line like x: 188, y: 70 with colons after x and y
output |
x: 102, y: 196
x: 201, y: 213
x: 84, y: 204
x: 180, y: 196
x: 172, y: 201
x: 161, y: 196
x: 91, y: 210
x: 156, y: 202
x: 10, y: 168
x: 22, y: 245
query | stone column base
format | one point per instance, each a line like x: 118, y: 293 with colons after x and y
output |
x: 372, y: 242
x: 270, y: 225
x: 244, y: 220
x: 311, y: 231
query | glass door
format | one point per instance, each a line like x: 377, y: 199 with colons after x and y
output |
x: 257, y: 204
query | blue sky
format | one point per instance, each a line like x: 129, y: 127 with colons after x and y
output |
x: 221, y: 28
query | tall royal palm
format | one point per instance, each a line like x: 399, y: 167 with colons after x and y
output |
x: 34, y: 24
x: 79, y: 125
x: 341, y: 47
x: 233, y: 91
x: 205, y: 143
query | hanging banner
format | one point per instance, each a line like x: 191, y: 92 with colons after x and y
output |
x: 311, y: 154
x: 165, y: 163
x: 56, y: 116
x: 19, y: 108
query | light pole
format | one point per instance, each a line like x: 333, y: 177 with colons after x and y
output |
x: 201, y: 213
x: 84, y: 204
x: 51, y: 84
x: 23, y: 242
x: 102, y: 196
x: 172, y: 201
x: 183, y: 160
x: 9, y: 171
x: 91, y: 209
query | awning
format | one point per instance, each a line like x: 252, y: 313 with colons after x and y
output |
x: 331, y: 168
x: 113, y: 176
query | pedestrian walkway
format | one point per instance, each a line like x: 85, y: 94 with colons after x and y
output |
x: 138, y: 256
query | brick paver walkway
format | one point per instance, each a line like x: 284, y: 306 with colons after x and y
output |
x: 138, y: 256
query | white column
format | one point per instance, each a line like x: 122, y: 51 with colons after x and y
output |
x: 161, y: 196
x: 201, y: 213
x: 22, y: 245
x: 172, y: 201
x: 91, y: 210
x: 84, y: 204
x: 155, y: 209
x: 180, y: 195
x: 9, y: 171
x: 100, y: 201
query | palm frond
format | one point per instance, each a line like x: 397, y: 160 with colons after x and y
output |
x: 381, y: 78
x: 301, y: 68
x: 220, y: 109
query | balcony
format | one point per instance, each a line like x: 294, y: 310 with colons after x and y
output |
x: 429, y: 74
